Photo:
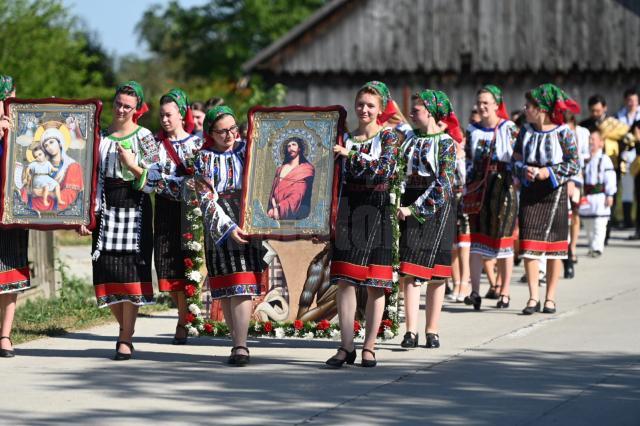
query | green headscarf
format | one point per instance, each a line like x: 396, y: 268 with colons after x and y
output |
x: 136, y: 87
x: 495, y: 91
x: 439, y: 106
x: 553, y: 100
x: 7, y: 86
x: 214, y: 113
x: 180, y: 98
x: 381, y: 89
x: 437, y: 103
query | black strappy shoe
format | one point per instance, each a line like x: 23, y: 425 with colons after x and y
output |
x: 180, y: 340
x: 433, y: 341
x: 410, y: 340
x: 335, y: 362
x: 122, y: 356
x: 473, y: 299
x: 546, y: 310
x: 7, y: 353
x: 492, y: 293
x: 240, y: 360
x: 530, y: 310
x: 501, y: 301
x: 369, y: 363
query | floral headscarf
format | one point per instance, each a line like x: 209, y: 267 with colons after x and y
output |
x: 210, y: 118
x: 497, y: 95
x: 141, y: 106
x: 388, y: 106
x: 554, y: 101
x: 439, y: 105
x: 7, y: 86
x: 182, y: 101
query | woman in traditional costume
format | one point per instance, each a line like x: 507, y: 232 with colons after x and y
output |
x: 489, y: 149
x: 235, y: 264
x: 177, y: 146
x: 545, y: 158
x: 427, y: 210
x: 362, y: 253
x: 123, y: 240
x: 14, y: 266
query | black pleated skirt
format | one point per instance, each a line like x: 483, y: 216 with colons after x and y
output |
x: 169, y: 224
x: 492, y: 228
x: 234, y: 269
x: 362, y: 247
x: 125, y: 276
x: 14, y: 266
x: 425, y: 248
x: 543, y: 221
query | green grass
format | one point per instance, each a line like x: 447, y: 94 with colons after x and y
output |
x: 71, y: 238
x: 73, y: 309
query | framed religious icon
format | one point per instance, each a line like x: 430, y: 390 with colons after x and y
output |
x: 49, y: 163
x: 290, y: 185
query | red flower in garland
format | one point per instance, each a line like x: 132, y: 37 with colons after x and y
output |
x: 194, y: 203
x: 189, y: 317
x: 356, y: 326
x: 267, y: 326
x: 188, y: 263
x: 188, y: 236
x: 189, y: 290
x: 388, y: 291
x: 208, y: 328
x: 387, y: 323
x: 323, y: 325
x: 297, y: 324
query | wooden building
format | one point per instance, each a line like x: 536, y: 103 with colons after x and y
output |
x: 584, y: 46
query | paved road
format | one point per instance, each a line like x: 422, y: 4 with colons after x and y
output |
x: 580, y: 366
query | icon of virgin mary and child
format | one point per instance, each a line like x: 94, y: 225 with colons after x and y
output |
x: 52, y: 178
x: 290, y: 197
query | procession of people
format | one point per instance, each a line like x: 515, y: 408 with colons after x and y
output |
x: 472, y: 202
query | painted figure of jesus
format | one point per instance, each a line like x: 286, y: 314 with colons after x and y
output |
x: 290, y: 197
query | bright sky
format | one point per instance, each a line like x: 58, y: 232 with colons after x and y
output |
x: 114, y: 21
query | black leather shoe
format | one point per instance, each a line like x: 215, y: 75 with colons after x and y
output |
x: 122, y: 356
x: 335, y: 362
x: 569, y: 271
x: 7, y: 353
x: 492, y: 292
x: 180, y: 340
x: 240, y: 360
x: 433, y: 341
x: 546, y: 310
x: 473, y: 299
x: 501, y: 302
x: 530, y: 310
x: 410, y: 340
x: 369, y: 363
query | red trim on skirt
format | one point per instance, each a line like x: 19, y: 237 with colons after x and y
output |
x: 419, y: 271
x: 462, y: 238
x: 172, y: 284
x: 14, y: 275
x: 494, y: 243
x: 362, y: 273
x: 130, y: 289
x: 237, y: 278
x: 544, y: 246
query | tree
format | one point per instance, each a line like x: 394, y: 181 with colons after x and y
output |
x: 215, y: 39
x: 47, y: 53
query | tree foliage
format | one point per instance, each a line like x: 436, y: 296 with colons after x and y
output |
x: 46, y: 51
x: 216, y: 38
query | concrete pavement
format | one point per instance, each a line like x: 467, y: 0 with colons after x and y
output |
x: 579, y: 366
